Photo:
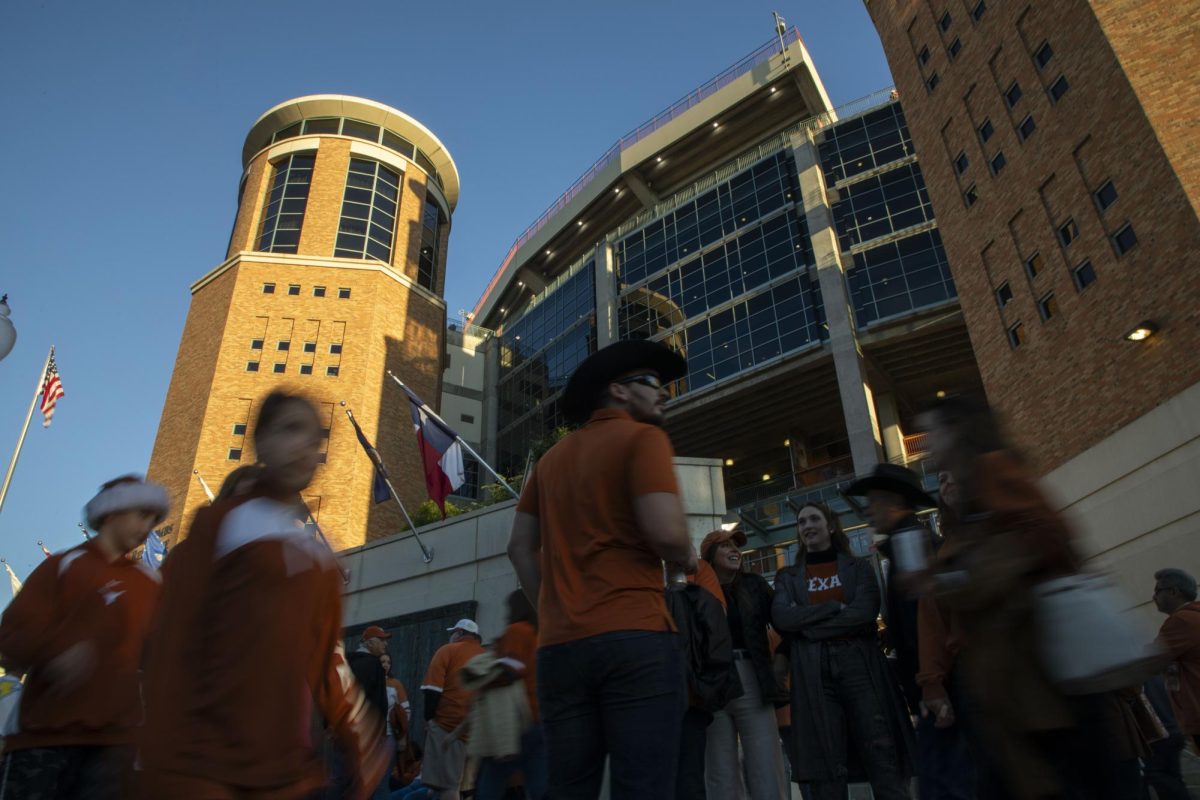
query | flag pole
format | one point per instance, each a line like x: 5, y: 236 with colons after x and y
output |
x: 458, y: 439
x: 12, y: 464
x: 426, y: 553
x: 83, y: 530
x: 207, y: 491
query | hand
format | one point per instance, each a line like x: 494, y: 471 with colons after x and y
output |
x: 71, y: 668
x: 942, y: 711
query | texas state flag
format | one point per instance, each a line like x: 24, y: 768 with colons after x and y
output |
x: 441, y: 453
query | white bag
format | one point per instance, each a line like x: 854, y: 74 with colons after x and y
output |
x: 1087, y: 643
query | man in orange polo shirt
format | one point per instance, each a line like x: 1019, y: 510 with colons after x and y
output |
x: 446, y: 706
x: 596, y: 521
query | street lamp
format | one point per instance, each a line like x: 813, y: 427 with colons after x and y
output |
x: 8, y: 333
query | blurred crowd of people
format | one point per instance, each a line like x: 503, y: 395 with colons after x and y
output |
x: 974, y: 658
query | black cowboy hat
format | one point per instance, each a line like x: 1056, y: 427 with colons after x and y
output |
x: 897, y: 479
x: 609, y: 363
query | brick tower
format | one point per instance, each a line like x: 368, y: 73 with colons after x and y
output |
x: 334, y: 275
x: 1058, y: 144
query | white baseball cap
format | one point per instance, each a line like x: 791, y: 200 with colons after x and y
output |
x: 467, y: 625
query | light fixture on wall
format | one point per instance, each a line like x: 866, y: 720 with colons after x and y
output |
x: 729, y: 462
x: 766, y: 476
x: 1142, y: 332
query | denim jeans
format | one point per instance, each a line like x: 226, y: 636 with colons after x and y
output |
x: 689, y: 775
x: 750, y: 720
x: 856, y: 712
x: 622, y: 695
x: 495, y: 773
x: 945, y: 763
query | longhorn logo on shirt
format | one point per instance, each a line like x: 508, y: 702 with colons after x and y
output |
x: 816, y: 584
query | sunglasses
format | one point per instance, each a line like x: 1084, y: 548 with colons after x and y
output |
x: 651, y: 381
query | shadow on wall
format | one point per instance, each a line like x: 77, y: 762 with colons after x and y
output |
x: 415, y: 638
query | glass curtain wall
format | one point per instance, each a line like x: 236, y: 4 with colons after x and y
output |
x: 725, y: 278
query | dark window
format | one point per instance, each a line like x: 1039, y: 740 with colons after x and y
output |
x: 1068, y: 232
x: 268, y: 288
x: 1059, y: 88
x: 1085, y: 275
x: 1125, y: 240
x: 432, y: 223
x: 325, y: 433
x: 933, y: 82
x: 1026, y: 128
x: 251, y: 366
x: 290, y: 132
x: 331, y: 371
x: 306, y: 369
x: 360, y: 130
x: 970, y: 195
x: 1013, y: 95
x: 1004, y: 295
x: 1016, y: 335
x: 961, y: 162
x: 256, y: 344
x: 343, y: 294
x: 279, y: 368
x: 283, y: 346
x: 318, y: 291
x: 1043, y: 55
x: 235, y: 454
x: 979, y: 10
x: 239, y: 429
x: 322, y: 458
x: 368, y: 222
x: 986, y: 130
x: 322, y: 125
x: 997, y: 163
x: 1106, y: 195
x: 944, y: 22
x: 283, y: 215
x: 1047, y: 307
x: 954, y: 48
x: 467, y: 418
x: 398, y: 143
x: 335, y: 349
x: 310, y: 347
x: 294, y: 289
x: 1034, y: 265
x: 923, y: 56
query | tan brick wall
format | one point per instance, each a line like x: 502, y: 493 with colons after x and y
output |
x: 383, y: 325
x: 1074, y: 381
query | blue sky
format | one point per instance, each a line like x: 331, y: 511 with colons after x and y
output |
x: 121, y: 158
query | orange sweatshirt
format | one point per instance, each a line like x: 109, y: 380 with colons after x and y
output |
x: 73, y: 597
x: 245, y: 644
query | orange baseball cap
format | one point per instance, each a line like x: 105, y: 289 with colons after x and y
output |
x: 375, y: 632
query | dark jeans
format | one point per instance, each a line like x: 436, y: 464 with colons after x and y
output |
x: 693, y: 741
x: 621, y: 695
x: 494, y: 773
x: 1163, y: 772
x: 945, y: 767
x: 855, y: 711
x: 67, y: 773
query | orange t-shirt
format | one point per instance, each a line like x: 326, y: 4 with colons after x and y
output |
x: 519, y: 642
x: 598, y: 573
x: 706, y: 578
x: 824, y: 585
x: 442, y: 676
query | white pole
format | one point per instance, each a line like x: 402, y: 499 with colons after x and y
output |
x: 460, y: 440
x: 12, y: 465
x: 207, y: 491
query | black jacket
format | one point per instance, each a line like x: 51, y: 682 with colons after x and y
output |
x: 809, y: 627
x: 368, y: 671
x: 704, y: 631
x: 751, y: 595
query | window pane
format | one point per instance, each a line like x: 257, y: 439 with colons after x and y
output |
x: 368, y: 207
x: 280, y: 232
x: 1013, y: 95
x: 1043, y: 55
x: 360, y: 130
x: 322, y: 125
x: 1106, y: 195
x: 1059, y: 88
x: 1085, y: 275
x: 1125, y: 239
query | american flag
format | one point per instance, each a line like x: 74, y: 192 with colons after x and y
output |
x: 51, y: 391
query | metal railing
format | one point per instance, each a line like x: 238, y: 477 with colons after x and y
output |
x: 688, y: 101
